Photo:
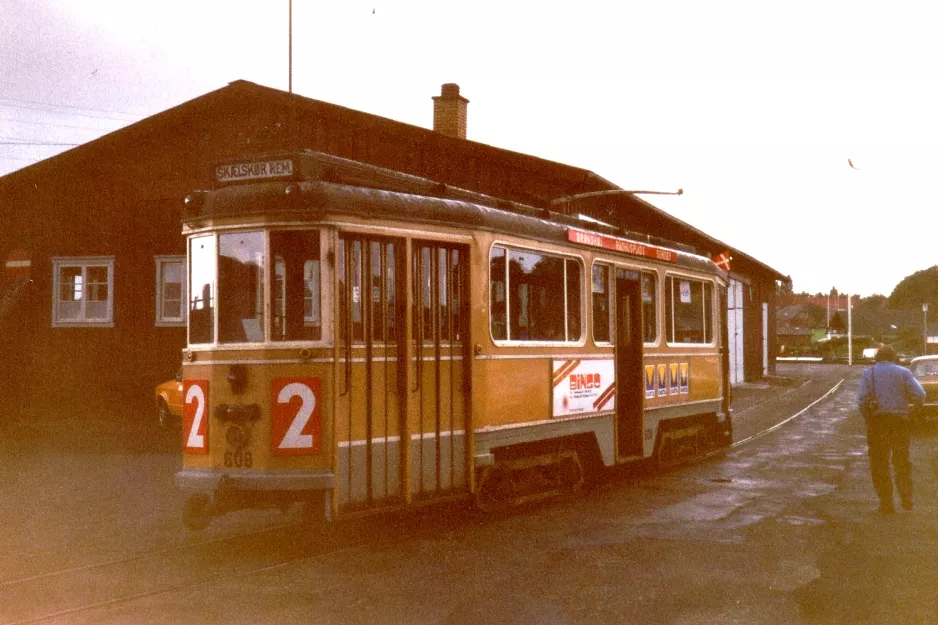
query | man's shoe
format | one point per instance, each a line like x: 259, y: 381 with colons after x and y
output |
x: 886, y: 508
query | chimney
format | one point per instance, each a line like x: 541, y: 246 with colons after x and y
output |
x: 449, y: 112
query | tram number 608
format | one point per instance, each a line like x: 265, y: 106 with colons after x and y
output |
x: 239, y: 459
x: 295, y: 423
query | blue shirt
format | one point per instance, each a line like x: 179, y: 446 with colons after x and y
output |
x: 896, y: 388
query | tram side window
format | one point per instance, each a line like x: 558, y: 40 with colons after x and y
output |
x: 367, y: 272
x: 241, y: 287
x: 688, y: 311
x: 649, y: 307
x: 202, y: 290
x: 438, y: 280
x: 297, y: 311
x: 383, y: 257
x: 534, y: 297
x: 498, y: 303
x: 601, y: 310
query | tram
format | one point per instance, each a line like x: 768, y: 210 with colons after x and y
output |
x: 361, y: 339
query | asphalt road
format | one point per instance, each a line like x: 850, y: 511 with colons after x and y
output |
x: 781, y: 528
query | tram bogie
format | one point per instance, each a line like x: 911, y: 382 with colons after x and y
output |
x: 528, y: 472
x: 369, y: 349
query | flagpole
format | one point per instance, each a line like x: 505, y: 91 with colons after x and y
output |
x: 849, y: 329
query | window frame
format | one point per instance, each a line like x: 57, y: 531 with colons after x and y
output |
x: 84, y: 262
x: 565, y: 258
x: 182, y: 320
x: 708, y: 315
x: 275, y: 290
x: 609, y: 270
x: 267, y: 294
x: 657, y: 305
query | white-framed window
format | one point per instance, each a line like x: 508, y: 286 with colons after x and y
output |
x: 534, y: 296
x: 83, y: 291
x: 171, y: 290
x: 602, y: 303
x: 688, y: 310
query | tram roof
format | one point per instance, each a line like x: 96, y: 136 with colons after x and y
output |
x: 310, y: 200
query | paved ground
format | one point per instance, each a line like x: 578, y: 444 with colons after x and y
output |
x: 780, y: 529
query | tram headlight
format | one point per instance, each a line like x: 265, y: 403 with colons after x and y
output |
x: 193, y: 203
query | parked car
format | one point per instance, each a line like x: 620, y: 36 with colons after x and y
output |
x: 925, y: 370
x: 169, y: 402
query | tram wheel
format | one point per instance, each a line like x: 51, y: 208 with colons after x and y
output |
x: 197, y: 513
x: 571, y: 475
x: 494, y: 492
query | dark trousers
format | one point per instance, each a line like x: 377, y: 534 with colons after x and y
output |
x: 888, y: 438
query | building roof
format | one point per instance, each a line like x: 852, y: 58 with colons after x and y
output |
x: 266, y: 119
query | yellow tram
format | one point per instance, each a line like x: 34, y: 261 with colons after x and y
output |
x: 363, y: 339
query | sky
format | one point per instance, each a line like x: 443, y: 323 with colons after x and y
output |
x: 753, y: 108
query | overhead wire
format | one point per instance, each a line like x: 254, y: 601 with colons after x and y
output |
x: 37, y: 105
x: 117, y: 119
x: 33, y: 123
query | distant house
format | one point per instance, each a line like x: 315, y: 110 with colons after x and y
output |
x: 793, y: 339
x: 93, y: 300
x: 796, y: 327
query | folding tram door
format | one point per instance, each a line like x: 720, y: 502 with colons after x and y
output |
x: 402, y: 387
x: 440, y: 414
x: 629, y: 361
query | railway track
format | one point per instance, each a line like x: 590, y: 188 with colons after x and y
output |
x: 79, y: 592
x: 59, y: 595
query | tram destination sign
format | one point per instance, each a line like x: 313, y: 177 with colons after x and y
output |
x: 621, y: 245
x: 254, y: 170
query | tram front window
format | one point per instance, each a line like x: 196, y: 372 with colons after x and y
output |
x: 296, y: 287
x: 202, y: 290
x: 241, y: 287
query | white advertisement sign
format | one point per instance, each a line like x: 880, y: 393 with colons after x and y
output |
x: 685, y: 292
x: 583, y: 386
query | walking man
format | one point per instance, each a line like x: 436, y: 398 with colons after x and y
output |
x: 889, y: 396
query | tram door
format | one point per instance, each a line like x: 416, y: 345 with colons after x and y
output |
x: 439, y: 406
x: 629, y: 370
x: 370, y: 381
x: 401, y: 407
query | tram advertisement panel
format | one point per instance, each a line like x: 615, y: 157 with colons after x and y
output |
x: 295, y: 424
x: 195, y: 416
x: 583, y: 386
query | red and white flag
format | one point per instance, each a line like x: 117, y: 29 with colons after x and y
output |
x: 722, y: 260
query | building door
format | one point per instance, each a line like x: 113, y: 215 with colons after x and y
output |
x: 629, y: 372
x: 734, y: 303
x: 765, y: 338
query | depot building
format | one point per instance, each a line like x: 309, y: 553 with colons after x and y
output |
x: 93, y: 295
